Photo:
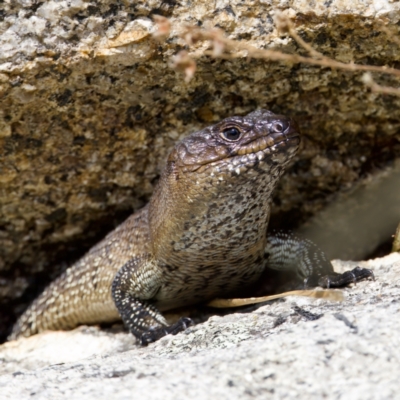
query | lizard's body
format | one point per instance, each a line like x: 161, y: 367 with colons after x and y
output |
x: 81, y: 295
x: 203, y: 235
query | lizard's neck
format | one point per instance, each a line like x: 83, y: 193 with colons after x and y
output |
x: 197, y: 217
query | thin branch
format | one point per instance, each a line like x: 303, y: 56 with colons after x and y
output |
x: 376, y: 88
x: 284, y: 24
x: 194, y: 34
x: 327, y: 294
x: 224, y: 48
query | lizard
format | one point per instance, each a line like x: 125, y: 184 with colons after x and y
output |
x: 202, y: 235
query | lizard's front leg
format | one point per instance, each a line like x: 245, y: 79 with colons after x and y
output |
x: 133, y: 287
x: 286, y: 252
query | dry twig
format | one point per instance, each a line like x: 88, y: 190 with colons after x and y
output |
x: 369, y: 81
x: 215, y: 35
x: 222, y: 47
x: 327, y: 294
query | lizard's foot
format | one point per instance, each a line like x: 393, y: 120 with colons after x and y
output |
x: 154, y: 334
x: 344, y: 279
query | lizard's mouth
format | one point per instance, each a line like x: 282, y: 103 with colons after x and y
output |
x: 272, y: 142
x: 262, y: 152
x: 279, y: 153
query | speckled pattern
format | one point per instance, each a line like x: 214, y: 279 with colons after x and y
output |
x: 82, y: 293
x: 203, y: 234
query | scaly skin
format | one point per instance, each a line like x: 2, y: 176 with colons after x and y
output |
x: 203, y: 235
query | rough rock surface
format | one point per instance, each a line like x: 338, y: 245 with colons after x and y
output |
x: 292, y: 348
x: 89, y: 107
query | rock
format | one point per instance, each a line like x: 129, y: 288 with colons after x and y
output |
x: 294, y: 347
x: 360, y: 219
x: 89, y: 108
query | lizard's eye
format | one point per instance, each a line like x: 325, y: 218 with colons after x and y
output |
x: 279, y: 127
x: 232, y: 134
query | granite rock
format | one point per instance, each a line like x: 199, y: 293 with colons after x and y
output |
x: 291, y: 348
x: 89, y: 108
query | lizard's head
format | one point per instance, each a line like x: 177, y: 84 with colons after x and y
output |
x: 238, y: 144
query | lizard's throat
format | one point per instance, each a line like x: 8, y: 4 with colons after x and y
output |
x: 213, y: 221
x: 220, y: 210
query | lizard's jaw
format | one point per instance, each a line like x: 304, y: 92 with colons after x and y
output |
x: 263, y: 154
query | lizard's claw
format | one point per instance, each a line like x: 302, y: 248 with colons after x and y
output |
x: 340, y: 280
x: 154, y: 334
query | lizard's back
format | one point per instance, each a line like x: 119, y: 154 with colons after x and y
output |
x: 87, y: 283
